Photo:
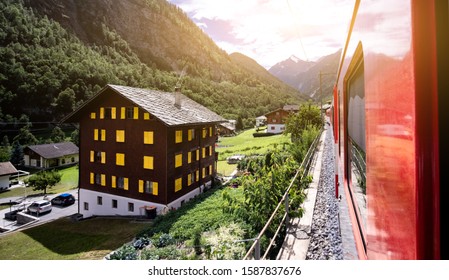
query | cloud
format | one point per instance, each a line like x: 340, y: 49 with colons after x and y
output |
x: 270, y: 31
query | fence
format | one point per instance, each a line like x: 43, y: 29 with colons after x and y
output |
x: 302, y: 171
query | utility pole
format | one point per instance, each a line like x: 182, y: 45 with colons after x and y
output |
x: 321, y: 93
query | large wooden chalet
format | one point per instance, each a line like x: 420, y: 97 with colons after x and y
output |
x: 141, y: 148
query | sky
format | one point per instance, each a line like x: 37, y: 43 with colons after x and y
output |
x: 270, y: 31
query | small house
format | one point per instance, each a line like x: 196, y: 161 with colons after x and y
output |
x: 6, y: 170
x: 51, y: 155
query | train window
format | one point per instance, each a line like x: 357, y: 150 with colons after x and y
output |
x: 356, y: 146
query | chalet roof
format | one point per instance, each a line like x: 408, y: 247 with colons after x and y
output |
x: 291, y: 107
x: 228, y: 125
x: 161, y: 105
x: 6, y: 168
x: 55, y: 150
x: 277, y: 110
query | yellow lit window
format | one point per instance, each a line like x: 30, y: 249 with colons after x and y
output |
x: 95, y: 134
x: 113, y: 113
x: 204, y: 152
x: 155, y: 188
x: 197, y: 154
x: 146, y: 116
x: 136, y: 113
x: 210, y: 150
x: 148, y: 137
x: 103, y: 180
x: 141, y: 186
x: 120, y: 136
x: 178, y: 136
x: 178, y: 184
x: 189, y: 157
x: 204, y: 173
x: 103, y: 157
x: 123, y: 113
x: 189, y: 179
x: 101, y: 113
x: 114, y: 182
x: 93, y: 116
x: 120, y: 159
x: 103, y: 135
x: 92, y: 178
x: 92, y: 156
x: 210, y: 131
x: 197, y: 175
x: 126, y: 184
x: 178, y: 160
x: 148, y: 162
x: 191, y: 134
x: 204, y: 132
x: 210, y: 169
x: 148, y: 187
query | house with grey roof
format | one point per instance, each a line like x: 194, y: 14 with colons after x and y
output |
x: 143, y: 149
x: 6, y: 170
x: 51, y: 155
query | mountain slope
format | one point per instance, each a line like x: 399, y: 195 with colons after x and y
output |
x: 288, y: 69
x: 57, y: 53
x: 305, y: 76
x: 252, y: 66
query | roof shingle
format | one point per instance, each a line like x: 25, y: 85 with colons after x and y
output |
x: 162, y: 106
x: 6, y: 168
x: 55, y: 150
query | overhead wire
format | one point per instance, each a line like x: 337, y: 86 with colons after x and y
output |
x: 297, y: 30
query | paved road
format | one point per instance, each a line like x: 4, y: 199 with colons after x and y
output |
x: 56, y: 213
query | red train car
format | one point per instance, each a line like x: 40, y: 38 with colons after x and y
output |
x: 389, y: 111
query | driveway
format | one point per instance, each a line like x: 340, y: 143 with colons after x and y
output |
x: 56, y: 213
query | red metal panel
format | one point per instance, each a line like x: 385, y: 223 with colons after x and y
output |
x: 427, y: 144
x: 400, y: 128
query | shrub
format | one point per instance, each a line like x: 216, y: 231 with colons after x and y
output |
x: 126, y: 252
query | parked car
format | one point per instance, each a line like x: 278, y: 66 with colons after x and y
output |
x: 64, y: 199
x: 39, y: 207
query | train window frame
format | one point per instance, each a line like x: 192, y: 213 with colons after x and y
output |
x: 354, y: 71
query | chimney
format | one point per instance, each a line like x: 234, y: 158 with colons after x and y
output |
x: 178, y: 97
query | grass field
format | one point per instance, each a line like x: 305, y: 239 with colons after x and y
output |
x: 65, y: 239
x: 245, y: 144
x: 69, y: 181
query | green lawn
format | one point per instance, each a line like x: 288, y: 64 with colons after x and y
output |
x: 69, y: 181
x: 246, y: 144
x: 65, y: 239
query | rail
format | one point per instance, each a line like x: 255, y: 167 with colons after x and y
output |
x: 305, y: 167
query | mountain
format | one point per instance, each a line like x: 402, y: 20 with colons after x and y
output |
x: 288, y: 69
x: 57, y: 53
x: 305, y: 76
x: 252, y: 66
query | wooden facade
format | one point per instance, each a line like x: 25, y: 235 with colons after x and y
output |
x: 276, y: 121
x: 131, y: 156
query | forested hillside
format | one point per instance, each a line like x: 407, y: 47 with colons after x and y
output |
x: 56, y: 54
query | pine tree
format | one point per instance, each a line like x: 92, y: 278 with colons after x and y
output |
x: 17, y: 154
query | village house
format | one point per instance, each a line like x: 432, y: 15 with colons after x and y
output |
x: 226, y: 128
x: 276, y: 119
x: 142, y: 149
x: 6, y: 170
x: 261, y: 121
x: 51, y: 155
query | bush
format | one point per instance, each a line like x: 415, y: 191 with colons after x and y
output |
x: 263, y: 134
x: 126, y: 252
